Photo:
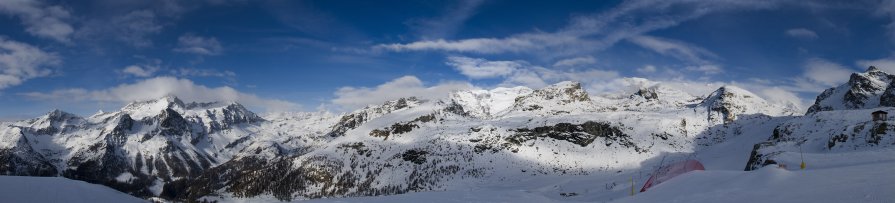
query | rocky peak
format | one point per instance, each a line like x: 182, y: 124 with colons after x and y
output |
x: 560, y: 98
x: 647, y: 93
x: 140, y: 109
x: 59, y: 115
x: 203, y: 105
x: 873, y: 80
x: 870, y: 89
x: 357, y: 118
x: 727, y: 102
x: 225, y: 117
x: 563, y: 92
x: 171, y: 101
x: 171, y: 122
x: 485, y: 103
x: 55, y: 121
x: 655, y: 97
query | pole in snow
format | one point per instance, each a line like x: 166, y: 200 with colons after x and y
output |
x: 632, y: 185
x: 802, y: 155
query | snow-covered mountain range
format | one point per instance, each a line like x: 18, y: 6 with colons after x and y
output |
x: 170, y: 149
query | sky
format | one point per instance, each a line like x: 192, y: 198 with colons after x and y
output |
x: 335, y: 55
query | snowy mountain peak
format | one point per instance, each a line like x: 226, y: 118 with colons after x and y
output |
x: 727, y: 91
x: 359, y: 117
x: 566, y: 92
x: 655, y: 97
x: 728, y: 102
x: 487, y: 103
x: 869, y: 89
x: 140, y: 109
x: 57, y: 114
x: 647, y: 93
x: 661, y: 92
x: 559, y: 98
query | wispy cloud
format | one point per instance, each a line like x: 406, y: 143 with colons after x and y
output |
x: 588, y: 33
x: 699, y: 59
x: 140, y: 71
x: 197, y: 72
x: 826, y: 73
x: 575, y: 62
x: 446, y: 25
x: 480, y: 68
x: 647, y: 69
x: 20, y: 62
x: 40, y: 19
x: 189, y: 43
x: 802, y: 33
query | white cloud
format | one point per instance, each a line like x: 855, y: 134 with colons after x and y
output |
x: 39, y: 19
x: 802, y: 33
x: 158, y: 87
x: 826, y: 73
x: 189, y: 43
x: 577, y: 61
x: 20, y: 62
x: 477, y: 68
x: 140, y: 71
x: 689, y: 53
x: 782, y: 96
x: 647, y: 69
x: 350, y: 98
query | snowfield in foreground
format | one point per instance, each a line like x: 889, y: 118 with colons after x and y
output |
x: 872, y: 181
x: 56, y: 189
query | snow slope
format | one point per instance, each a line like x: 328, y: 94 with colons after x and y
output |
x: 857, y: 183
x: 861, y: 176
x: 56, y: 189
x: 871, y: 181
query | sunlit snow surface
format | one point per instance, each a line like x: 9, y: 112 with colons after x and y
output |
x: 853, y: 177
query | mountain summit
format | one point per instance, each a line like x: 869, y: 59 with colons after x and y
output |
x: 870, y: 89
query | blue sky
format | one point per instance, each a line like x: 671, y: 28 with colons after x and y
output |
x: 82, y: 56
